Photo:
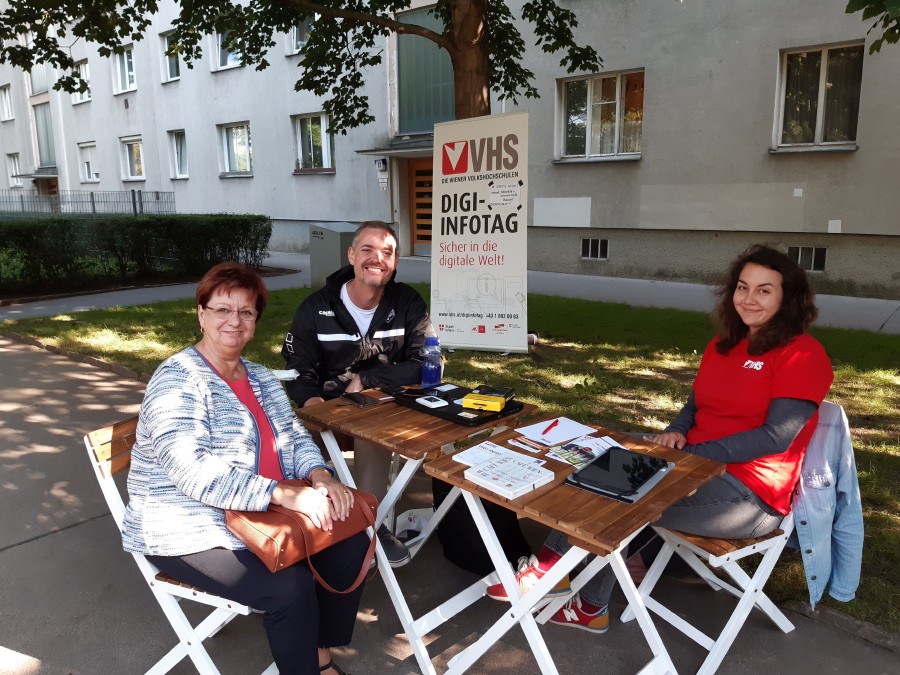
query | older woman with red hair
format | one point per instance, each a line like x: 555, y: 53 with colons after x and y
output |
x: 218, y: 432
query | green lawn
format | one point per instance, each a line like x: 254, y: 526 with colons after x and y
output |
x: 625, y: 367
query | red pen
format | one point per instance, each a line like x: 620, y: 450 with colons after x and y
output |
x: 550, y: 427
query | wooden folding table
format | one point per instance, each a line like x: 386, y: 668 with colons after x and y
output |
x: 415, y: 436
x: 594, y: 524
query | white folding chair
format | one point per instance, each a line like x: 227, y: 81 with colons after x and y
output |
x: 109, y: 450
x: 704, y: 553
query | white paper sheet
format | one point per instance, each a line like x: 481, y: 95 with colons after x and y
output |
x: 487, y: 452
x: 564, y: 430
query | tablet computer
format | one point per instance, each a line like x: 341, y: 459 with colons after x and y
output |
x: 622, y: 474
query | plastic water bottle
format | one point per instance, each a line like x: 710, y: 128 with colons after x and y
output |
x: 432, y: 366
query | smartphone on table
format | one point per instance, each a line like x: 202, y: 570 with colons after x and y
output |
x: 360, y: 400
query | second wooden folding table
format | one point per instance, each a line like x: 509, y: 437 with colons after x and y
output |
x: 415, y: 436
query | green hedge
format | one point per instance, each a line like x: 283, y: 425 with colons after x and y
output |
x: 67, y: 252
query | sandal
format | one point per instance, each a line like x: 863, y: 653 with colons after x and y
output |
x: 332, y: 664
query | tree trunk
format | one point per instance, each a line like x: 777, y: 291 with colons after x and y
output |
x: 469, y: 56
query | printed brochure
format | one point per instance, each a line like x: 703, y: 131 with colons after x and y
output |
x: 581, y: 451
x: 510, y: 476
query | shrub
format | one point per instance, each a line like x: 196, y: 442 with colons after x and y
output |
x: 63, y: 252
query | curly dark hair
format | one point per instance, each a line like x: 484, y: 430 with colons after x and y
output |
x: 227, y: 276
x: 796, y: 314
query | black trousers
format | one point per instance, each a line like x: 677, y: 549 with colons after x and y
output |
x: 300, y: 615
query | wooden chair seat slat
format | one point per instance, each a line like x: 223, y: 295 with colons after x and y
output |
x: 723, y: 547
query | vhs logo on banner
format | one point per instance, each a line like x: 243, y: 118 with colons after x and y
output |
x: 455, y: 158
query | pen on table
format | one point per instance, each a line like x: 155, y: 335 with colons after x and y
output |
x: 550, y: 427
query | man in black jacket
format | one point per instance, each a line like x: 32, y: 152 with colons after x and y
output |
x: 362, y: 330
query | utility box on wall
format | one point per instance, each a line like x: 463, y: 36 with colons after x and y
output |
x: 328, y: 244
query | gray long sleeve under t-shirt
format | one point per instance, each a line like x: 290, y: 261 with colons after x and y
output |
x: 785, y: 419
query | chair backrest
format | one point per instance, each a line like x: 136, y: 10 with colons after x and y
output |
x: 109, y: 450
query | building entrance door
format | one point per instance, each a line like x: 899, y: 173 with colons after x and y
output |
x: 48, y: 193
x: 420, y: 177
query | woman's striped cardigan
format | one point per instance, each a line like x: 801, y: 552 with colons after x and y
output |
x: 197, y: 452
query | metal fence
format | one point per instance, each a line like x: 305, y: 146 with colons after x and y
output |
x: 30, y: 204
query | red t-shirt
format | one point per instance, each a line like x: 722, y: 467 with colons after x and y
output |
x: 733, y: 391
x: 269, y: 466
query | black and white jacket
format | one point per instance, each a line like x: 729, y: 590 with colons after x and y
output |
x: 325, y: 347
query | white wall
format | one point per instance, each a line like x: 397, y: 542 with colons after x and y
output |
x: 711, y: 79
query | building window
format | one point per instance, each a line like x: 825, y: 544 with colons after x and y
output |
x: 300, y: 35
x: 6, y: 106
x: 125, y: 80
x: 595, y: 249
x: 12, y: 170
x: 603, y: 116
x: 820, y: 95
x: 81, y: 68
x: 132, y: 158
x: 179, y: 154
x: 810, y: 258
x: 171, y: 61
x: 424, y: 78
x: 314, y: 143
x: 237, y: 154
x: 87, y: 163
x: 43, y: 127
x: 228, y: 55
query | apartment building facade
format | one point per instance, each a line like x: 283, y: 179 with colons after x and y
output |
x: 711, y: 127
x: 222, y: 136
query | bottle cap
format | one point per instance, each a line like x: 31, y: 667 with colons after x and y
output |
x: 431, y: 342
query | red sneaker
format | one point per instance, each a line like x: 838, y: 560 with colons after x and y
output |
x: 527, y: 574
x: 572, y: 615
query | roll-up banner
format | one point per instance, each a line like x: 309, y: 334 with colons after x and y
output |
x: 479, y: 245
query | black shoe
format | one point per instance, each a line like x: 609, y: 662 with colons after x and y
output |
x: 395, y: 550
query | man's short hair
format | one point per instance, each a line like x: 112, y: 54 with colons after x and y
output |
x: 374, y: 225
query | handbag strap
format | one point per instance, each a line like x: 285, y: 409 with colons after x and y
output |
x: 370, y: 518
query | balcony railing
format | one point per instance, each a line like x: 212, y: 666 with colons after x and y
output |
x: 29, y: 204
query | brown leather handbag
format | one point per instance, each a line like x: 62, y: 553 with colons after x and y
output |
x: 282, y: 537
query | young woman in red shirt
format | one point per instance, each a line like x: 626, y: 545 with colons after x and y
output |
x: 754, y: 406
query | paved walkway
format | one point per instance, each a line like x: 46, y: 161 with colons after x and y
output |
x: 72, y: 603
x: 837, y: 311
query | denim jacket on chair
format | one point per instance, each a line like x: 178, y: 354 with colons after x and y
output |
x: 827, y: 510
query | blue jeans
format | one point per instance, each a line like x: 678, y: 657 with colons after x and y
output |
x: 723, y: 508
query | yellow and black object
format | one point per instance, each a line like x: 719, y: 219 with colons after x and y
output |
x: 484, y: 397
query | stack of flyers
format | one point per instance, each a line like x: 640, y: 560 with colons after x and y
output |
x: 582, y: 450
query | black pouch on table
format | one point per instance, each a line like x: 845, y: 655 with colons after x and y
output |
x: 461, y: 540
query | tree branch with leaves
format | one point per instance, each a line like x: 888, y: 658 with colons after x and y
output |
x: 481, y: 37
x: 887, y: 19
